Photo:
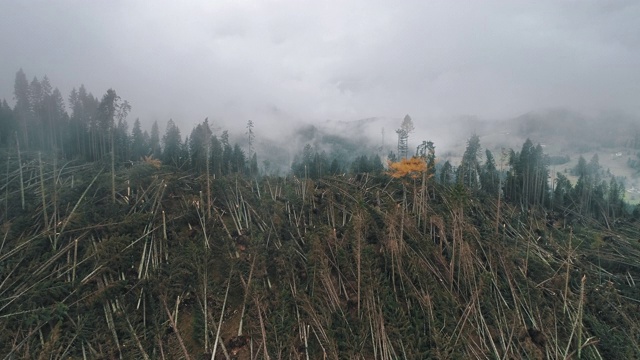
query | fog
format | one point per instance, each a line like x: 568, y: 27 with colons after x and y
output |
x: 282, y: 62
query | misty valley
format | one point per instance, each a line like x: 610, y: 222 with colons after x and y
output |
x: 378, y: 238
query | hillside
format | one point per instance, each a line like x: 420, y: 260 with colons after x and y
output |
x: 359, y: 266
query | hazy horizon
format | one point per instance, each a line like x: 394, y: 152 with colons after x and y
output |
x: 284, y: 61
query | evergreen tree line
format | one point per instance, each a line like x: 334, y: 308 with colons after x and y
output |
x: 316, y: 164
x: 521, y: 177
x: 94, y: 129
x: 203, y: 151
x: 526, y: 181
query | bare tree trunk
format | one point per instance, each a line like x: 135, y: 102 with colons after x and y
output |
x: 359, y: 273
x: 113, y: 169
x: 20, y: 170
x: 6, y: 190
x: 44, y: 200
x: 208, y: 183
x: 175, y: 328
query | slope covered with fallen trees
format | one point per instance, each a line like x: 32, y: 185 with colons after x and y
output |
x: 369, y: 267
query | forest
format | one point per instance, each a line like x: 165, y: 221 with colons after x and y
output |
x: 128, y: 244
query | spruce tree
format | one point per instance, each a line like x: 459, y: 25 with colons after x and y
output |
x: 469, y: 167
x: 22, y: 107
x: 172, y: 145
x: 139, y: 146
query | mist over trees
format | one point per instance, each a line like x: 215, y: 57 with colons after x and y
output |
x: 123, y: 242
x: 97, y: 129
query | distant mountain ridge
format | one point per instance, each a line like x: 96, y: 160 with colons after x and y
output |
x: 563, y: 126
x: 578, y: 130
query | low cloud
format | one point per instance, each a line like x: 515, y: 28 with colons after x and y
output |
x: 283, y: 61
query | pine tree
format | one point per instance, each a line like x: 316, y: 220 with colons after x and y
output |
x: 36, y: 100
x: 469, y: 167
x: 199, y: 143
x: 154, y: 141
x: 615, y: 197
x: 216, y: 156
x: 122, y: 139
x: 106, y: 121
x: 562, y: 192
x: 139, y: 146
x: 376, y: 164
x: 253, y: 165
x: 335, y: 168
x: 446, y: 173
x: 83, y: 125
x: 227, y: 153
x: 8, y: 124
x: 250, y: 137
x: 527, y: 180
x: 112, y: 113
x: 403, y: 136
x: 489, y: 174
x: 172, y: 145
x: 56, y: 121
x: 22, y: 109
x: 238, y: 163
x: 361, y: 165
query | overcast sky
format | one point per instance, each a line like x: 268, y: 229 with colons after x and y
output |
x: 316, y: 60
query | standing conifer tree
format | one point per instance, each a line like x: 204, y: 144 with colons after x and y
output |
x: 469, y: 167
x: 8, y: 124
x: 403, y: 137
x: 199, y: 144
x: 139, y: 146
x: 154, y: 141
x: 227, y: 153
x: 110, y: 110
x: 172, y: 144
x: 489, y: 174
x: 216, y: 156
x: 22, y: 107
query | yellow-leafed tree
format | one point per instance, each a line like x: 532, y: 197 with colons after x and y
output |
x: 413, y: 167
x: 151, y: 161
